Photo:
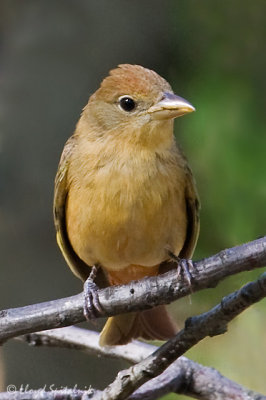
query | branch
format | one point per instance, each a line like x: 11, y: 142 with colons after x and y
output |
x: 85, y: 340
x: 213, y: 322
x: 139, y: 295
x: 183, y: 376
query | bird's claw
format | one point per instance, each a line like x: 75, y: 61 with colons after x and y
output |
x: 186, y: 266
x: 92, y: 307
x: 183, y: 265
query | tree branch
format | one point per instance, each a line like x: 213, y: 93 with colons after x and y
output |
x: 183, y: 376
x: 140, y: 295
x: 213, y: 322
x: 85, y: 340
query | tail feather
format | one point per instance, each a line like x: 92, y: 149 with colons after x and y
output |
x: 153, y: 324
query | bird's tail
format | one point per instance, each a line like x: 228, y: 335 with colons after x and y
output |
x: 153, y: 324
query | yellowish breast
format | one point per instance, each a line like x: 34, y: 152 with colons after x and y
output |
x: 126, y: 209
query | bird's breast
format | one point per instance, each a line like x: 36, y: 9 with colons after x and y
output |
x: 125, y: 212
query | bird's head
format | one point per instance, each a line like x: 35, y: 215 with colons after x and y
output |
x: 134, y: 99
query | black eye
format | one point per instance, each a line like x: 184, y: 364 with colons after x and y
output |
x: 127, y: 103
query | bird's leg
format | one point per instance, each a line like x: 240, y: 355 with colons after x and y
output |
x: 92, y: 306
x: 184, y: 265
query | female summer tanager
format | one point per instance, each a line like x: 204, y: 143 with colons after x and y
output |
x: 125, y: 198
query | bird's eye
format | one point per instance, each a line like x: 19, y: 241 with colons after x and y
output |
x: 127, y: 103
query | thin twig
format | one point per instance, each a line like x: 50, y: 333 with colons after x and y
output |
x: 139, y: 295
x: 72, y: 337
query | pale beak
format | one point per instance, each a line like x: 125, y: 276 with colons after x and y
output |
x: 170, y: 106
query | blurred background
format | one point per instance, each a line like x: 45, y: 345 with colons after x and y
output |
x: 53, y: 55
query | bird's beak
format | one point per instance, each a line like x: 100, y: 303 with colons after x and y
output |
x: 170, y: 106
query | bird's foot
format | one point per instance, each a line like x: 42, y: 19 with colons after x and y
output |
x: 92, y: 307
x: 183, y: 265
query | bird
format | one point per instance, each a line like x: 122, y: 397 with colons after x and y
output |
x: 125, y: 198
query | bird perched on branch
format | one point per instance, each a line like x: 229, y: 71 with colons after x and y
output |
x: 125, y: 199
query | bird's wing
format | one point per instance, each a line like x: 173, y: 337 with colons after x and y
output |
x: 193, y: 208
x: 77, y: 266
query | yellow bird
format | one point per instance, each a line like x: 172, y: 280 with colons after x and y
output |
x: 125, y: 198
